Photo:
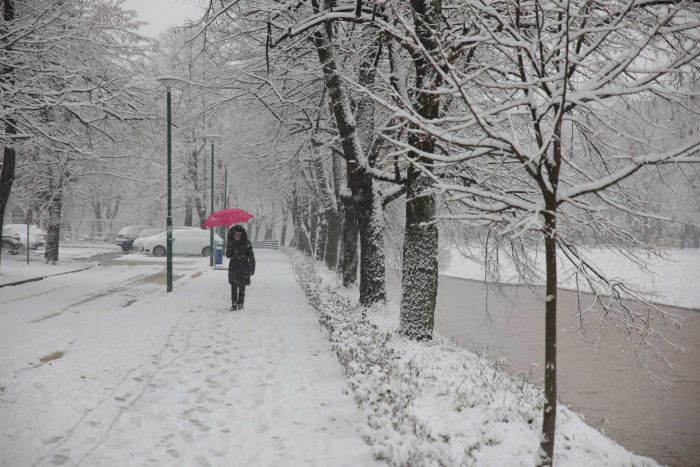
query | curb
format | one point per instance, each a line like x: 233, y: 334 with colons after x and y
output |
x: 34, y: 279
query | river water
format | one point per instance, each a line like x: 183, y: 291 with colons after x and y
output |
x: 604, y: 380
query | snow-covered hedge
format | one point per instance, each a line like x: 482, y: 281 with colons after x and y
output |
x: 435, y: 404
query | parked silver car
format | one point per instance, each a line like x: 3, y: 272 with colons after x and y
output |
x: 11, y: 244
x: 138, y: 243
x: 37, y: 237
x: 127, y: 235
x: 186, y: 241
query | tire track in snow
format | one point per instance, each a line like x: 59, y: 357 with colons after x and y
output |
x: 33, y: 295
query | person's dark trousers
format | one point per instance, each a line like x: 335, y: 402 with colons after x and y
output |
x: 237, y: 294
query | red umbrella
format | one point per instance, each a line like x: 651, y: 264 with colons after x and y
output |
x: 227, y: 217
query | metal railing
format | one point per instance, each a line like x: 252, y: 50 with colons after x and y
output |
x: 268, y: 244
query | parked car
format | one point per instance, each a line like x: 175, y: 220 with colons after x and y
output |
x: 138, y: 243
x: 34, y: 231
x: 11, y: 244
x: 186, y: 241
x: 37, y: 237
x: 127, y: 235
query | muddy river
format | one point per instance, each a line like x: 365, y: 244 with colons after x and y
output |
x: 599, y: 375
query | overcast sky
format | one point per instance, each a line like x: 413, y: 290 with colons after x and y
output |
x: 162, y: 14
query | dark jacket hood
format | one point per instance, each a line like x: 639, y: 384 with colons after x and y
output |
x: 238, y: 228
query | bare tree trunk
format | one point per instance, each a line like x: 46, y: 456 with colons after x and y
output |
x: 549, y: 193
x: 312, y: 226
x: 339, y: 185
x: 258, y: 225
x: 306, y: 239
x: 53, y: 231
x: 199, y: 195
x: 332, y: 238
x: 420, y: 273
x: 372, y: 287
x: 369, y: 211
x: 192, y: 189
x: 7, y: 177
x: 296, y: 222
x: 550, y: 346
x: 97, y: 212
x: 370, y: 226
x: 321, y: 236
x: 301, y: 228
x: 189, y: 206
x: 326, y: 206
x: 9, y: 159
x: 285, y: 220
x: 349, y: 246
x: 111, y: 213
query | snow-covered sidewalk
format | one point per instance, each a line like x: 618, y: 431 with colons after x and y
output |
x: 173, y: 379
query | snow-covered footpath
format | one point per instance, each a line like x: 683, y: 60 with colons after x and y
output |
x: 436, y: 404
x: 99, y: 368
x: 103, y: 368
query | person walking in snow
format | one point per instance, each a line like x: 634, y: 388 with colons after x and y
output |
x: 241, y: 265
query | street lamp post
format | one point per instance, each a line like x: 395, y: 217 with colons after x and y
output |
x: 168, y: 83
x: 226, y: 186
x: 211, y: 138
x: 28, y: 220
x: 12, y: 138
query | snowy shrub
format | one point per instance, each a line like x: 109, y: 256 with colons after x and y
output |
x: 435, y: 404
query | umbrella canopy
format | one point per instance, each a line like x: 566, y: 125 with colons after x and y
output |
x: 227, y: 217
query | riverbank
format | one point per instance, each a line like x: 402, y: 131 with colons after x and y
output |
x: 671, y: 278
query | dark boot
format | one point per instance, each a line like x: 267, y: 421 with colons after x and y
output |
x: 234, y: 297
x: 241, y: 296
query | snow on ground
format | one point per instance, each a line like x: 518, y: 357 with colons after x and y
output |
x: 14, y: 268
x: 672, y: 281
x: 142, y: 257
x: 436, y: 404
x: 103, y: 368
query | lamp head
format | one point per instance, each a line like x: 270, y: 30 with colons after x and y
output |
x: 169, y: 82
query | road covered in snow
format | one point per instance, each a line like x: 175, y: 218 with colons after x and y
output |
x: 101, y: 367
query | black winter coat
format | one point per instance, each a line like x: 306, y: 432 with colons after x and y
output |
x: 242, y: 263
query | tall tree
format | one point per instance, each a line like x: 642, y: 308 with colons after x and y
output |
x: 71, y: 87
x: 541, y: 139
x: 7, y: 80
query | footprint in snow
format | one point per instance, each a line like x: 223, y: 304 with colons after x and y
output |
x: 200, y: 426
x: 53, y: 440
x: 59, y: 459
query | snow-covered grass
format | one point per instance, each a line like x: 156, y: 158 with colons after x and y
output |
x: 670, y: 278
x: 14, y: 268
x: 433, y: 403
